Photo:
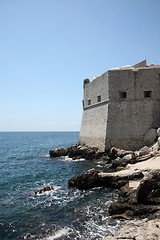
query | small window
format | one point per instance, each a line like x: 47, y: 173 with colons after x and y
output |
x: 122, y: 94
x: 83, y: 103
x: 89, y: 101
x: 147, y: 94
x: 99, y: 98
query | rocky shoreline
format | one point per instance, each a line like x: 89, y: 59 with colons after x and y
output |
x: 136, y: 175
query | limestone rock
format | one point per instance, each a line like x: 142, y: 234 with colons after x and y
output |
x: 94, y: 178
x: 116, y: 152
x: 138, y: 230
x: 144, y: 151
x: 150, y: 136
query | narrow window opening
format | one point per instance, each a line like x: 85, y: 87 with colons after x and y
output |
x: 89, y: 102
x: 147, y: 94
x: 83, y: 103
x: 122, y: 94
x: 99, y: 98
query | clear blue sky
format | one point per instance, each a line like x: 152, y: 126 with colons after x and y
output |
x: 47, y: 48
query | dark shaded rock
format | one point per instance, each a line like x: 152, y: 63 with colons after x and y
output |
x: 82, y: 152
x: 127, y: 204
x: 77, y: 151
x: 128, y: 158
x: 141, y: 202
x: 131, y: 210
x: 43, y: 189
x: 84, y: 181
x: 59, y: 152
x: 136, y: 175
x: 148, y: 191
x: 106, y: 159
x: 94, y: 178
x: 117, y: 208
x: 117, y: 162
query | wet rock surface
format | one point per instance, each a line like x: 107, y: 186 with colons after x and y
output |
x: 43, y: 189
x: 77, y: 152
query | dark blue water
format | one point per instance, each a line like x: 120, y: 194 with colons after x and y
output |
x: 59, y: 214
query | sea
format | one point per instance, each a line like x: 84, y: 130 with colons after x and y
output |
x: 62, y: 213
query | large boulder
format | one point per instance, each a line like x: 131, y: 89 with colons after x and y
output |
x: 82, y: 152
x: 150, y: 136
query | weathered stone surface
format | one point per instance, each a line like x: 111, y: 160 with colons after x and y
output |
x: 144, y: 151
x: 150, y: 136
x: 138, y: 230
x: 116, y: 152
x: 148, y: 191
x: 144, y: 158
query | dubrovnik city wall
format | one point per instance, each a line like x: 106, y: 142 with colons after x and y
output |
x: 120, y: 107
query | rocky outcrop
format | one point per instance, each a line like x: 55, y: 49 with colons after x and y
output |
x: 131, y: 202
x: 115, y: 159
x: 77, y: 151
x: 94, y: 178
x: 141, y: 201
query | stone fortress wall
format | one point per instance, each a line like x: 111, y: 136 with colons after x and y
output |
x: 121, y: 106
